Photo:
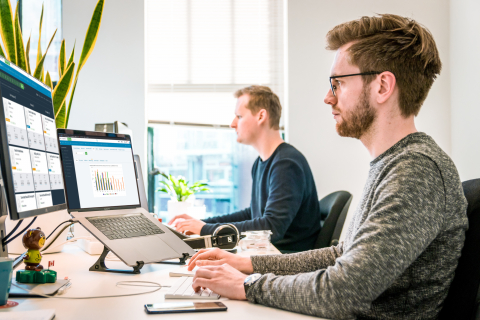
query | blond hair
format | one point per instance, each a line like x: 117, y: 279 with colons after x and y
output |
x: 262, y: 97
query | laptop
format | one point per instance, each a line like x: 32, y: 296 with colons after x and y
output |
x: 103, y: 195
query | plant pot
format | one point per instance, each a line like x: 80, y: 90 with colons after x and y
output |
x: 176, y: 208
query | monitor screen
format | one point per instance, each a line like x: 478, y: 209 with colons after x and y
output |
x: 29, y: 154
x: 99, y: 170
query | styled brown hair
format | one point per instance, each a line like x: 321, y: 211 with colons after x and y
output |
x: 262, y: 97
x: 392, y: 43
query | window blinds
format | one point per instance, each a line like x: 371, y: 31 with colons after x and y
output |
x: 198, y: 52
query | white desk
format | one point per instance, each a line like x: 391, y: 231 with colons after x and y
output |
x: 74, y: 263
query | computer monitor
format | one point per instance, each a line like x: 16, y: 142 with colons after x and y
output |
x: 32, y: 182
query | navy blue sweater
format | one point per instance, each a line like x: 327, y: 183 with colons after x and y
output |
x: 284, y: 200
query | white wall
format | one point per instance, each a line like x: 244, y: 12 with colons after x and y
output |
x: 465, y: 86
x: 111, y: 85
x: 342, y: 163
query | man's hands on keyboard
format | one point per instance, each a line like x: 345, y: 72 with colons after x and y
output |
x: 218, y: 257
x: 224, y: 280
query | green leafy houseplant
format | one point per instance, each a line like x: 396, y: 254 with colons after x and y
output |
x: 16, y: 52
x: 180, y: 189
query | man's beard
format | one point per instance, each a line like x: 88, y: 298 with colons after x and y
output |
x: 355, y: 123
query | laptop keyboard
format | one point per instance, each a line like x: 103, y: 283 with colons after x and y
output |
x: 125, y: 226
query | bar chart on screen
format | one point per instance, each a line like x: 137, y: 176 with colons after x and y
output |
x: 107, y: 180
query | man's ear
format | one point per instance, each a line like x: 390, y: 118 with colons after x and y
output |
x: 262, y: 116
x: 386, y: 86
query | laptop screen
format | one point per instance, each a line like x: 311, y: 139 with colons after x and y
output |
x: 98, y: 170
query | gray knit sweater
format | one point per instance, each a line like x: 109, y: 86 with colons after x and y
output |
x: 401, y: 248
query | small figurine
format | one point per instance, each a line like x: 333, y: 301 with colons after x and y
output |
x: 33, y: 240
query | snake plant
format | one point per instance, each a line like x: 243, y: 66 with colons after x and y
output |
x: 18, y: 53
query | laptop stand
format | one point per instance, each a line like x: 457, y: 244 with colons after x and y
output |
x: 100, y: 265
x: 182, y: 260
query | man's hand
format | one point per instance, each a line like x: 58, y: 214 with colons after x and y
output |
x: 179, y: 216
x: 187, y: 224
x: 224, y: 280
x: 218, y: 257
x: 192, y: 225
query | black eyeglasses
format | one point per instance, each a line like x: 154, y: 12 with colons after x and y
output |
x: 350, y: 75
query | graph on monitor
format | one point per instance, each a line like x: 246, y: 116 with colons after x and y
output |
x: 107, y: 180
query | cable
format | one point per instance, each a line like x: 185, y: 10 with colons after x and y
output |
x: 13, y: 230
x: 58, y: 234
x: 21, y: 232
x: 72, y: 221
x: 124, y: 283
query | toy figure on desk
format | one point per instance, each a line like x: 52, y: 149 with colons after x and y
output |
x: 34, y: 240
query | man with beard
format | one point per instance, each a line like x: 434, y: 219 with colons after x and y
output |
x: 402, y: 246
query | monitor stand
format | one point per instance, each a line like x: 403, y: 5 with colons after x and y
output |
x: 3, y: 233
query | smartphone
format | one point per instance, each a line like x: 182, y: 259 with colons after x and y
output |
x: 180, y: 307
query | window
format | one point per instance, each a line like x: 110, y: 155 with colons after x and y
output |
x: 52, y: 20
x: 198, y: 53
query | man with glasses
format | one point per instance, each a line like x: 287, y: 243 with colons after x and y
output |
x: 402, y: 246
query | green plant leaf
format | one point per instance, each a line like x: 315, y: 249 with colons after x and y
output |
x: 162, y: 190
x: 61, y: 89
x: 7, y: 29
x: 38, y: 73
x: 60, y: 117
x: 48, y: 80
x: 61, y: 59
x: 92, y: 34
x: 70, y: 60
x: 88, y: 45
x: 27, y: 58
x: 39, y: 49
x: 2, y: 53
x: 19, y: 48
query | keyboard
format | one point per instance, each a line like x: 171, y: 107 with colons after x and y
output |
x: 182, y: 289
x: 125, y: 226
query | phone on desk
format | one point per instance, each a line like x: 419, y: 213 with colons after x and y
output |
x: 180, y: 307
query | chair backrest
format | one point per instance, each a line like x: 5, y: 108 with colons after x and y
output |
x: 462, y: 301
x: 333, y: 210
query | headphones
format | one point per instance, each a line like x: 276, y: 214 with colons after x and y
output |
x: 224, y: 237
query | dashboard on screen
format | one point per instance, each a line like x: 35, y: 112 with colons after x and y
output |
x: 30, y: 152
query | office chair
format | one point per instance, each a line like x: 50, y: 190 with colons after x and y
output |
x: 463, y: 299
x: 333, y: 210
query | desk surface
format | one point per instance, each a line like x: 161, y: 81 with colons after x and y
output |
x: 74, y: 263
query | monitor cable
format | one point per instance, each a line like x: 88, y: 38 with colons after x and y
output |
x: 20, y: 232
x: 11, y: 232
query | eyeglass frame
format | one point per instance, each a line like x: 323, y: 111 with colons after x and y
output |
x: 368, y: 73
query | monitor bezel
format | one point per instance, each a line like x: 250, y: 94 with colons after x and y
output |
x: 7, y: 173
x: 97, y: 134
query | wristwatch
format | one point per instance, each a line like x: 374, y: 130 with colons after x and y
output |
x: 250, y: 280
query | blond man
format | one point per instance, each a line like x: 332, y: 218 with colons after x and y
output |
x: 284, y: 196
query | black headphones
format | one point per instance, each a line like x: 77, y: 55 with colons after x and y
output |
x: 224, y: 237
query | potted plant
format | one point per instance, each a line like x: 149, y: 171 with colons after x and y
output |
x: 18, y: 53
x: 181, y: 193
